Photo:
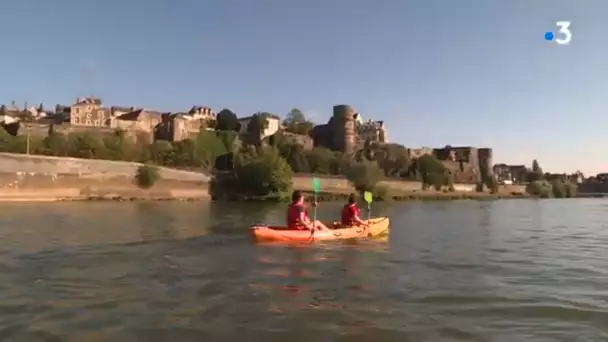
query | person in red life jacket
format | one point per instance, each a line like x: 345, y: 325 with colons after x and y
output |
x: 297, y: 214
x: 350, y: 213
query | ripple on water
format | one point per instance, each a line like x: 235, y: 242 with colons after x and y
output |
x: 465, y: 271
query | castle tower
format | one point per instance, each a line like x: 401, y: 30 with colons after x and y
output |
x: 344, y: 128
x: 484, y: 156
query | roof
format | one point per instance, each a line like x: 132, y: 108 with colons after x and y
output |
x: 203, y: 109
x: 87, y: 100
x: 122, y: 108
x: 251, y: 116
x: 137, y: 114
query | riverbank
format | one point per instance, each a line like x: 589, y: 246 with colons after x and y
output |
x: 424, y: 196
x: 342, y: 196
x: 105, y: 190
x: 34, y: 178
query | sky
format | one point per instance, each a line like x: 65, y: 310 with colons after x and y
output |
x: 438, y: 72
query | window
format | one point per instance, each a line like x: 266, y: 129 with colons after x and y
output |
x: 88, y: 122
x: 97, y: 123
x: 76, y: 120
x: 76, y: 110
x: 88, y: 116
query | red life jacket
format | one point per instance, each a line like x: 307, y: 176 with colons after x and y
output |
x: 349, y: 212
x: 293, y: 216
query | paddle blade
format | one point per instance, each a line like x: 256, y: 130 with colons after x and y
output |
x: 368, y: 197
x: 316, y: 185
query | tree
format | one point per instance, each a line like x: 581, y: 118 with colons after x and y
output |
x: 40, y: 108
x: 536, y: 167
x: 364, y: 175
x: 117, y: 146
x: 262, y: 172
x: 55, y: 144
x: 209, y: 146
x: 433, y: 172
x: 558, y: 188
x: 161, y: 152
x: 3, y: 110
x: 85, y: 146
x: 536, y: 173
x: 296, y: 122
x: 539, y: 188
x: 322, y: 161
x: 227, y: 121
x: 294, y: 117
x: 6, y: 140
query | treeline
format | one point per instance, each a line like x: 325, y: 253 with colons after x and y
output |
x: 199, y: 152
x: 545, y: 185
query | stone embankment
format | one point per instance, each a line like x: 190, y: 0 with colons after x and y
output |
x: 44, y: 178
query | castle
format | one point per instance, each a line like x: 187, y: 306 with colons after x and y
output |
x: 346, y: 133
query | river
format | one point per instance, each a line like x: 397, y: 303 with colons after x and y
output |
x: 511, y: 270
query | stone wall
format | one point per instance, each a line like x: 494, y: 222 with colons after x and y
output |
x: 43, y: 178
x: 593, y: 188
x: 85, y: 168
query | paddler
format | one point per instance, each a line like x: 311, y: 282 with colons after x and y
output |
x: 297, y: 214
x: 350, y: 213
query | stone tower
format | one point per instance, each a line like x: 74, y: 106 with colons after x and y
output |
x: 484, y: 156
x: 344, y: 128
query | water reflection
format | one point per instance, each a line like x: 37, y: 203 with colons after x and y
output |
x: 469, y: 271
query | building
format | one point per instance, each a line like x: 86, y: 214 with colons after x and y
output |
x: 202, y: 113
x: 178, y: 126
x: 415, y: 153
x: 88, y: 111
x: 142, y: 121
x: 507, y: 174
x: 273, y: 125
x: 372, y: 131
x: 116, y: 111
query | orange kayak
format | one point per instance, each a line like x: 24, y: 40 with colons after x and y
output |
x: 379, y: 226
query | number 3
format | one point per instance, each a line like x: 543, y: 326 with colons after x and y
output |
x: 564, y: 28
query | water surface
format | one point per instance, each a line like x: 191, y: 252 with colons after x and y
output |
x: 509, y: 270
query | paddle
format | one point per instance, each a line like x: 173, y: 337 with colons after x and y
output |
x: 368, y: 198
x: 316, y: 186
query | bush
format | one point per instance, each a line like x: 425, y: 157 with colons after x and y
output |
x: 146, y: 176
x: 558, y: 188
x: 571, y: 189
x: 364, y: 175
x: 433, y: 172
x: 492, y: 184
x: 263, y: 172
x: 540, y: 188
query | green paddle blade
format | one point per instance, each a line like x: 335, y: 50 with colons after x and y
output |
x: 368, y: 197
x: 316, y: 185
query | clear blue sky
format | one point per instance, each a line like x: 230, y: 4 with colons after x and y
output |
x: 439, y: 72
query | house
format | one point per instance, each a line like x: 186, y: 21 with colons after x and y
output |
x: 88, y: 111
x: 372, y: 131
x: 274, y: 123
x: 116, y: 111
x: 509, y: 174
x: 179, y: 126
x: 139, y: 121
x: 202, y: 113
